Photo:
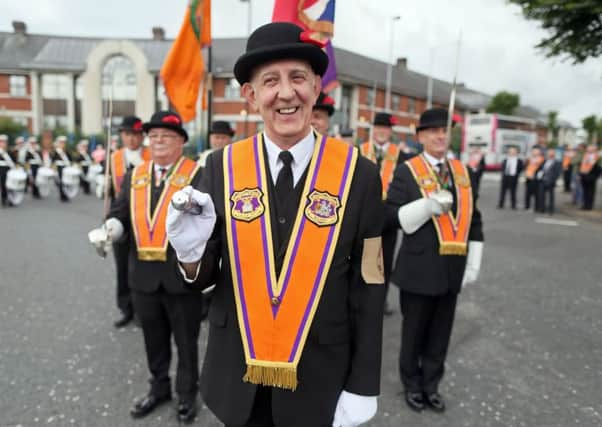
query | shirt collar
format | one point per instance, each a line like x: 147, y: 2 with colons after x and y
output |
x: 432, y: 160
x: 300, y: 150
x: 158, y: 167
x: 384, y: 147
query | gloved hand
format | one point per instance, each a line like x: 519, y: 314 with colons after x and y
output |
x: 414, y: 214
x: 353, y: 410
x: 444, y: 199
x: 473, y: 262
x: 101, y: 237
x: 187, y: 233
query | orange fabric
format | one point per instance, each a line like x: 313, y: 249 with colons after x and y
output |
x: 118, y: 168
x: 452, y: 230
x: 388, y: 164
x: 566, y: 160
x: 183, y: 69
x: 588, y: 162
x: 149, y: 227
x: 275, y: 313
x: 533, y: 165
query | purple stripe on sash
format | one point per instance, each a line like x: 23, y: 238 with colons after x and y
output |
x: 241, y: 293
x: 302, y: 225
x: 322, y: 262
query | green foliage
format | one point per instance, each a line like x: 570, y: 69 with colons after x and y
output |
x: 553, y: 128
x: 11, y: 128
x: 590, y: 124
x: 504, y: 103
x: 574, y: 26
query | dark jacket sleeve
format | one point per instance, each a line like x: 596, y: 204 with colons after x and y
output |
x: 476, y: 226
x: 120, y: 206
x: 398, y: 195
x: 366, y: 300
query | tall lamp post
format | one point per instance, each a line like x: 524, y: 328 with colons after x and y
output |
x: 249, y: 28
x: 389, y: 64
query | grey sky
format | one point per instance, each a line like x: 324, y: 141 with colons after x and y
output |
x: 497, y: 43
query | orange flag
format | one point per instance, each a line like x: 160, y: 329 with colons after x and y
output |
x: 183, y: 69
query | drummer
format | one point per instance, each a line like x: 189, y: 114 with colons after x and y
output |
x: 61, y: 159
x: 7, y: 162
x: 83, y: 159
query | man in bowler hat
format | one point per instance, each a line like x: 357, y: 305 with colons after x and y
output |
x: 321, y: 113
x: 220, y: 135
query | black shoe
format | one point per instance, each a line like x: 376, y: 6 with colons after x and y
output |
x: 186, y: 411
x: 147, y: 404
x: 414, y: 400
x: 123, y: 321
x: 435, y: 401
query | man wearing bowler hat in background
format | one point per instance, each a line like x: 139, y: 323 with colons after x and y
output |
x: 164, y: 307
x: 431, y: 199
x: 220, y: 135
x: 321, y: 114
x: 296, y: 317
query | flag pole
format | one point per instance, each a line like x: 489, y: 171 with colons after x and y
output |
x: 209, y: 89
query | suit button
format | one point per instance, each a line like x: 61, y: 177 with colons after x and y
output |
x: 275, y: 301
x: 282, y: 220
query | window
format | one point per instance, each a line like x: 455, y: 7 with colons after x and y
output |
x: 20, y: 120
x: 411, y: 105
x: 55, y: 86
x: 53, y: 122
x: 395, y: 101
x: 232, y: 90
x: 119, y: 77
x: 370, y: 99
x: 18, y: 85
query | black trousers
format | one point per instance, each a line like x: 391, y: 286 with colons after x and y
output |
x: 531, y: 192
x: 34, y: 188
x: 546, y: 198
x: 124, y: 297
x: 161, y: 316
x: 85, y: 185
x: 425, y: 334
x: 3, y: 190
x: 59, y: 185
x: 509, y: 184
x: 589, y: 192
x: 567, y: 177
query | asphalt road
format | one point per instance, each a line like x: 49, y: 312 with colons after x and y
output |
x: 526, y: 348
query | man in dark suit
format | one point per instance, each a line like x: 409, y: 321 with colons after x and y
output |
x: 512, y: 167
x: 440, y: 252
x: 476, y: 163
x: 589, y: 171
x: 61, y: 159
x: 552, y: 169
x: 332, y: 377
x: 533, y: 175
x: 164, y: 307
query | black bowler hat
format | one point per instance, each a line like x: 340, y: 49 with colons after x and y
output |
x: 346, y: 133
x: 131, y: 123
x: 280, y: 40
x: 433, y: 118
x: 325, y: 103
x: 221, y: 127
x: 384, y: 119
x: 166, y: 120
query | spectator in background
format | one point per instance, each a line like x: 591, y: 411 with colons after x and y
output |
x: 567, y: 167
x: 512, y: 167
x: 589, y: 171
x: 533, y: 177
x: 551, y: 172
x: 577, y: 187
x: 476, y: 163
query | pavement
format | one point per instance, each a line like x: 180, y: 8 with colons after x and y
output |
x: 525, y: 351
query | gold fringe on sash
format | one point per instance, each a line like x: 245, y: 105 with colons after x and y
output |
x: 452, y: 248
x: 272, y: 376
x: 152, y: 255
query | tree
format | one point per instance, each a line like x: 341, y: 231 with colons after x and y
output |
x: 504, y: 103
x: 590, y: 124
x: 575, y: 26
x: 553, y: 128
x: 11, y: 128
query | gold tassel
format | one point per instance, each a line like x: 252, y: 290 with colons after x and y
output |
x: 452, y: 249
x: 273, y: 377
x: 151, y: 255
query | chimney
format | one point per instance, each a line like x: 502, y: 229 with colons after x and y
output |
x: 402, y: 63
x: 19, y: 27
x: 158, y: 33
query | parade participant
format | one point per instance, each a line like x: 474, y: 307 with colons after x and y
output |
x: 589, y: 171
x: 551, y: 172
x: 33, y: 159
x: 61, y: 159
x: 83, y: 159
x: 386, y: 155
x: 347, y: 136
x: 567, y: 167
x: 99, y: 154
x: 220, y: 135
x: 7, y: 162
x: 476, y: 163
x: 296, y: 318
x: 577, y: 187
x: 123, y: 160
x: 533, y: 174
x: 164, y: 307
x: 20, y: 149
x: 511, y: 169
x: 321, y: 113
x: 432, y: 200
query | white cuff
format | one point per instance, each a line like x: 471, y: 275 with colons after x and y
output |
x: 192, y: 255
x: 114, y: 229
x: 183, y: 272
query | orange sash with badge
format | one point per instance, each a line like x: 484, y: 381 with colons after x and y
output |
x: 149, y: 227
x: 119, y: 168
x: 588, y: 162
x: 566, y: 160
x: 533, y: 165
x: 452, y: 230
x: 275, y: 313
x: 387, y: 165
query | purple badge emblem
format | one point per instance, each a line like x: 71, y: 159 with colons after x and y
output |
x: 323, y: 208
x: 247, y: 204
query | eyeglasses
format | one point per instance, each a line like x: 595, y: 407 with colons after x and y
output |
x: 157, y: 136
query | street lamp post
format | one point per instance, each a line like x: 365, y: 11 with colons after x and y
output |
x: 249, y: 28
x: 389, y: 64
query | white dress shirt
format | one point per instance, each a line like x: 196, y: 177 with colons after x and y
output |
x: 301, y: 152
x: 433, y: 160
x: 511, y: 164
x: 157, y: 168
x: 133, y: 157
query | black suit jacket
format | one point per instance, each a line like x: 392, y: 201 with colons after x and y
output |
x: 146, y: 276
x: 519, y: 168
x: 551, y: 174
x: 419, y: 268
x: 343, y: 349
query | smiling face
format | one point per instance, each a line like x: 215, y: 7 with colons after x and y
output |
x: 381, y: 134
x: 434, y: 141
x: 284, y: 93
x: 166, y: 145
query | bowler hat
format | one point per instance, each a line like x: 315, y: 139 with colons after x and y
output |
x: 221, y: 127
x: 166, y: 120
x: 325, y: 103
x: 131, y: 123
x: 384, y: 119
x: 433, y: 118
x: 280, y: 40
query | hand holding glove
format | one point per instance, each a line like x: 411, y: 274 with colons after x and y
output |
x: 188, y: 233
x: 102, y: 237
x: 353, y: 410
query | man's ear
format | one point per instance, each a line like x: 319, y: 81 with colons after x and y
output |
x: 248, y: 92
x: 317, y: 87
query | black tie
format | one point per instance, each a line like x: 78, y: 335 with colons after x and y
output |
x: 379, y: 155
x: 284, y: 183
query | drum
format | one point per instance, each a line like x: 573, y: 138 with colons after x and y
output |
x: 70, y: 181
x: 100, y: 186
x: 44, y: 179
x: 93, y: 170
x: 16, y: 181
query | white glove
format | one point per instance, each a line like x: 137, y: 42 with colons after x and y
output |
x: 413, y: 215
x: 101, y: 237
x: 353, y: 410
x: 473, y: 262
x: 187, y: 233
x: 444, y: 198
